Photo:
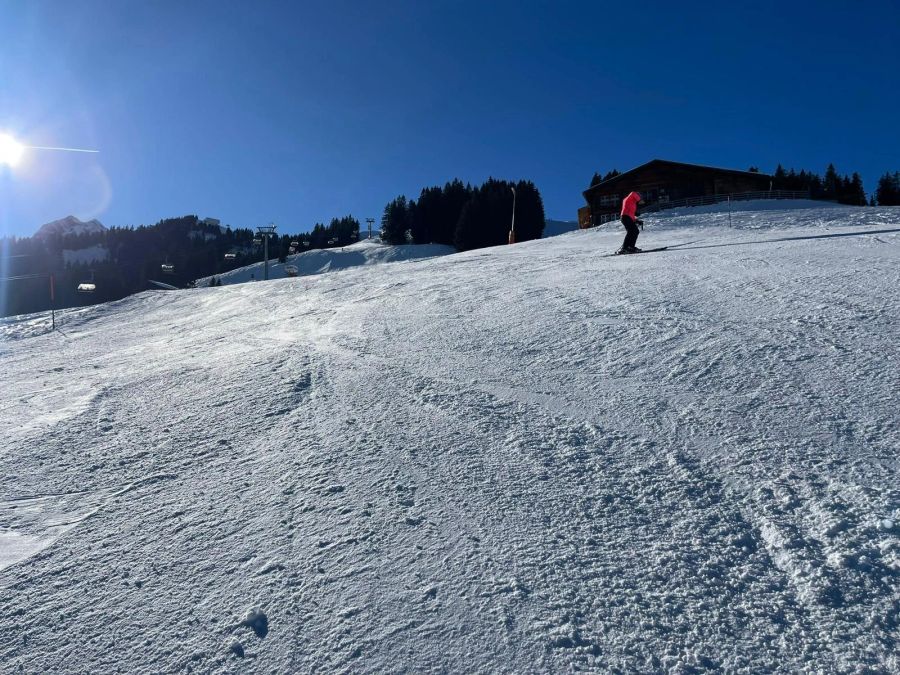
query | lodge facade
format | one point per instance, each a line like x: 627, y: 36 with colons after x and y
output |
x: 661, y: 181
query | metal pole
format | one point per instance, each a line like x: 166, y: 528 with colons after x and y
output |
x: 370, y: 221
x: 266, y: 231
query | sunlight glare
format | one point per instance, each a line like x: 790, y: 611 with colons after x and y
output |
x: 10, y: 150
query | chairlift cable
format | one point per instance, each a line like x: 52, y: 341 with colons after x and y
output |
x: 24, y: 276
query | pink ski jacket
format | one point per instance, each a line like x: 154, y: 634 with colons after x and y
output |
x: 629, y: 204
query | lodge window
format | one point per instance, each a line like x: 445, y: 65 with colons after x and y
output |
x: 608, y: 200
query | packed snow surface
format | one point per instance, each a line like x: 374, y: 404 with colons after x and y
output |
x: 519, y: 459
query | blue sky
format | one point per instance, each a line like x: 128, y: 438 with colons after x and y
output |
x: 297, y: 112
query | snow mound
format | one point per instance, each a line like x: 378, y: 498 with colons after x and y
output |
x: 360, y: 254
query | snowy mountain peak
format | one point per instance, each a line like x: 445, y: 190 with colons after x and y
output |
x: 70, y: 225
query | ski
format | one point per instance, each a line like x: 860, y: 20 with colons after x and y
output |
x: 646, y: 250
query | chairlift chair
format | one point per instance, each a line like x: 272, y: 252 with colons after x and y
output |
x: 87, y: 286
x: 230, y: 256
x: 291, y: 270
x: 295, y: 244
x: 306, y: 243
x: 167, y: 268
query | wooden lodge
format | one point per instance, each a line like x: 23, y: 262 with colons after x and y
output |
x: 661, y: 181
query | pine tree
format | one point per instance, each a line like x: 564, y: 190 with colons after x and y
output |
x: 815, y: 186
x: 319, y: 236
x: 487, y: 217
x: 778, y: 178
x: 395, y: 221
x: 857, y: 193
x: 844, y: 190
x: 599, y: 178
x: 792, y: 180
x: 454, y: 197
x: 832, y: 183
x: 888, y: 191
x: 530, y: 218
x: 477, y: 226
x: 342, y: 229
x: 426, y: 216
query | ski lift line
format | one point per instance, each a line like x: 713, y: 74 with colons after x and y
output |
x: 24, y: 276
x: 40, y: 275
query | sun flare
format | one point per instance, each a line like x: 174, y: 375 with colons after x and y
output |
x: 10, y: 150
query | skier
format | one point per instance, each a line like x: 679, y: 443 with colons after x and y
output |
x: 631, y: 222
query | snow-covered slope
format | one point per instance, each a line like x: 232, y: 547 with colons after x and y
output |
x: 319, y: 261
x: 530, y: 458
x: 70, y: 225
x: 760, y: 205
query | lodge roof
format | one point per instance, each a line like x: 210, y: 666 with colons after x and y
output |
x: 615, y: 179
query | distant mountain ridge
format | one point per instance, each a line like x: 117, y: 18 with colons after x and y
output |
x: 69, y: 225
x: 553, y: 228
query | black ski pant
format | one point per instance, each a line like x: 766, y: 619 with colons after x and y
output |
x: 631, y: 230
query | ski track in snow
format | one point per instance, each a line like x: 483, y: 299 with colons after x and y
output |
x: 516, y: 459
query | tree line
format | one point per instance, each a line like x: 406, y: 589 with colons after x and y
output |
x: 175, y: 251
x: 464, y: 216
x: 832, y: 186
x: 888, y: 192
x: 600, y: 178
